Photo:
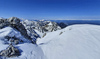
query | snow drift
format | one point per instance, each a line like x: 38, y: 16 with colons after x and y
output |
x: 49, y: 40
x: 28, y: 50
x: 73, y: 42
x: 8, y: 31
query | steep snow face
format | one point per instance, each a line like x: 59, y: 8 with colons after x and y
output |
x: 73, y: 42
x: 28, y: 50
x: 10, y: 32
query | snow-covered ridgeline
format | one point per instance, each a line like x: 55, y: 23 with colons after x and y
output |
x: 73, y: 42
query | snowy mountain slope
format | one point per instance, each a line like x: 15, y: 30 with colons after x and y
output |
x: 16, y: 38
x: 40, y: 26
x: 10, y: 32
x: 15, y: 23
x: 28, y: 50
x: 73, y: 42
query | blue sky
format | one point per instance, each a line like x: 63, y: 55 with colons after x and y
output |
x: 50, y: 9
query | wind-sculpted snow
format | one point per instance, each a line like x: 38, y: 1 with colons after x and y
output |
x: 14, y: 22
x: 16, y: 42
x: 73, y: 42
x: 10, y: 32
x: 28, y: 50
x: 51, y: 42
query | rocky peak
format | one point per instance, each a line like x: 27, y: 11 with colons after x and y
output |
x: 42, y: 26
x: 14, y: 20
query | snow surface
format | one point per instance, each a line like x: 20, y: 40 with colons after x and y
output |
x: 73, y: 42
x: 50, y: 23
x: 28, y: 50
x: 8, y: 31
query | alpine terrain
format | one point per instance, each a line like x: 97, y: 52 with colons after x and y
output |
x: 42, y: 39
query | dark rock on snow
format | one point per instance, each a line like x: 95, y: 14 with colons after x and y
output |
x: 14, y: 40
x: 42, y: 25
x: 27, y: 30
x: 14, y: 22
x: 10, y: 51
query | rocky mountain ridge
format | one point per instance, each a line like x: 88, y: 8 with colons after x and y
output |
x: 19, y: 31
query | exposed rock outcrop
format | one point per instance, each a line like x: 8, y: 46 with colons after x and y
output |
x: 14, y: 40
x: 4, y: 23
x: 10, y: 51
x: 42, y: 26
x: 27, y: 28
x: 14, y: 22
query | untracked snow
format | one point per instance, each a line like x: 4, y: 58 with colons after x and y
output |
x: 73, y: 42
x: 8, y: 31
x: 30, y: 51
x: 27, y: 49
